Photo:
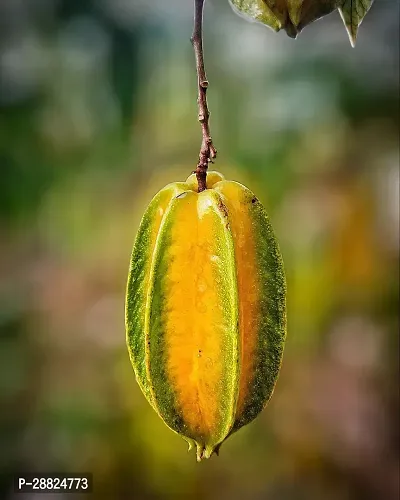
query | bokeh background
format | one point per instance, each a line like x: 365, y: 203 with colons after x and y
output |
x: 98, y: 112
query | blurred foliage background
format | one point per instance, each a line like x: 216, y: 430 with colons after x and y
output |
x: 98, y: 112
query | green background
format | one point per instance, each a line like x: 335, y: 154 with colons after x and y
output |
x: 97, y: 113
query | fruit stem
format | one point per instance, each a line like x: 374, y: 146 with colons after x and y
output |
x: 207, y: 150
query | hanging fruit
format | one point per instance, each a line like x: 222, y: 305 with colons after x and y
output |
x: 206, y: 317
x: 294, y: 15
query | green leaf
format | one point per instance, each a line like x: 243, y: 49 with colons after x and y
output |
x: 353, y: 13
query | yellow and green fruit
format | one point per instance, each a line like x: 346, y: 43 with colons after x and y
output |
x: 206, y: 309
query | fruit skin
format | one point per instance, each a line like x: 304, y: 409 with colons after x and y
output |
x: 206, y: 309
x: 289, y: 15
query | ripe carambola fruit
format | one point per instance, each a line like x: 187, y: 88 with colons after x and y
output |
x: 205, y: 309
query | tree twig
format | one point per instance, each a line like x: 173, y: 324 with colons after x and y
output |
x: 207, y: 150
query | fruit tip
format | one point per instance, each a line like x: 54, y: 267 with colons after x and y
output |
x: 200, y: 452
x: 217, y: 448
